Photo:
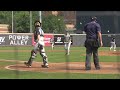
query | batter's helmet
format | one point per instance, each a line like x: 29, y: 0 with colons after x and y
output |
x: 94, y: 18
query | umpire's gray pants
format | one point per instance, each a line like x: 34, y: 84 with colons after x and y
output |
x: 89, y: 52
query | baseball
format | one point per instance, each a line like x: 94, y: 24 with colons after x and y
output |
x: 108, y: 30
x: 80, y: 22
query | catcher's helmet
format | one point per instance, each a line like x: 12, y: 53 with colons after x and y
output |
x: 37, y: 23
x: 94, y: 18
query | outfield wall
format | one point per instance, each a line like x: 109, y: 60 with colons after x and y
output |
x: 78, y: 40
x: 15, y: 39
x: 26, y: 39
x: 107, y: 39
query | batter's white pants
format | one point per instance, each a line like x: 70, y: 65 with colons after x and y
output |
x: 67, y: 48
x: 113, y: 46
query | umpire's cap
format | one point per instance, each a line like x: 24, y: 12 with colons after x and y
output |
x: 93, y: 18
x: 37, y: 23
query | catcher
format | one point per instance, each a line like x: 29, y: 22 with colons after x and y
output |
x: 39, y: 46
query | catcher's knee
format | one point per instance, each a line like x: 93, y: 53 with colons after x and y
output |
x: 44, y: 57
x: 43, y: 54
x: 40, y: 47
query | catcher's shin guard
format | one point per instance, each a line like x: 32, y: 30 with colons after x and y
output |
x: 33, y: 54
x: 44, y: 56
x: 45, y: 60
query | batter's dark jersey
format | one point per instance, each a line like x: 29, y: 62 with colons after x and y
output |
x: 113, y: 40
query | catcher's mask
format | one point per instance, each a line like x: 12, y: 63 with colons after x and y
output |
x: 37, y: 23
x: 94, y: 18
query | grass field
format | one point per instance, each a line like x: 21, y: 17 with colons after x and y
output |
x: 57, y: 55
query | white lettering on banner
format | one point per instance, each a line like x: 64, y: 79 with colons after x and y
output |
x: 18, y: 39
x: 14, y: 37
x: 18, y: 42
x: 2, y: 39
x: 58, y: 39
x: 46, y: 39
x: 25, y: 42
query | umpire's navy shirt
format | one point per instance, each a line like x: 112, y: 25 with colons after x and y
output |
x: 92, y: 29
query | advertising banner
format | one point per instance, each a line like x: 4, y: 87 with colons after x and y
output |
x: 47, y: 38
x: 59, y: 39
x: 15, y: 39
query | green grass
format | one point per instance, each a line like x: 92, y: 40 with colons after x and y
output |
x: 7, y: 74
x: 77, y: 54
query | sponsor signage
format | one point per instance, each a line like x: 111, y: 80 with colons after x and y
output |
x: 15, y: 39
x: 47, y: 38
x: 59, y: 39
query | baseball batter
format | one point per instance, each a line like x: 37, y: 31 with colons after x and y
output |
x: 39, y: 46
x: 113, y: 44
x: 52, y: 43
x: 67, y: 41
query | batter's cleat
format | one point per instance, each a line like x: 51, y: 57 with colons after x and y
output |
x: 45, y: 66
x: 87, y: 68
x: 97, y: 68
x: 28, y: 65
x: 66, y: 53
